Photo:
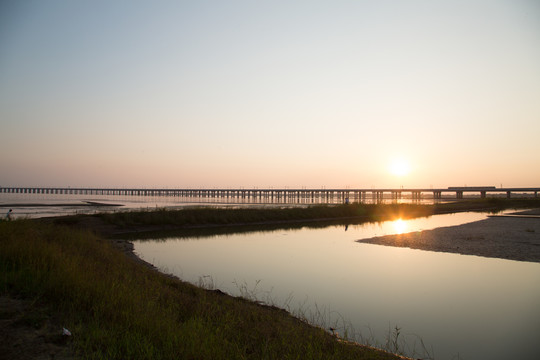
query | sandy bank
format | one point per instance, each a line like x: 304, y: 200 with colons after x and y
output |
x: 513, y: 238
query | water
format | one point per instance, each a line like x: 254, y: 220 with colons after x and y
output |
x: 25, y: 205
x: 32, y: 205
x: 464, y: 307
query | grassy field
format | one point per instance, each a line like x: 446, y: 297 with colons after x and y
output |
x: 118, y: 308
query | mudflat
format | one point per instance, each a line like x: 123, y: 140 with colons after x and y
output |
x: 513, y: 237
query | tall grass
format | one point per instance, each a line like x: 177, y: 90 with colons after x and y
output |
x: 117, y: 308
x: 205, y: 216
x: 219, y: 216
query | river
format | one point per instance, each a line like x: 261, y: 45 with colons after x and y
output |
x: 432, y: 305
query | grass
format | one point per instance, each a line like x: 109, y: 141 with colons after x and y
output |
x: 217, y: 216
x: 208, y: 217
x: 117, y: 308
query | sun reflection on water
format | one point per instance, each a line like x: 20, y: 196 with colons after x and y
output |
x: 400, y: 226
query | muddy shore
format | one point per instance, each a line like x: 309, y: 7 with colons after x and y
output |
x: 505, y: 237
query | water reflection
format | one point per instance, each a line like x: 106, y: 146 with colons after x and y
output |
x: 400, y: 226
x: 476, y: 307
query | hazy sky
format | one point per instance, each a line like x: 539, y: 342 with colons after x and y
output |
x: 269, y: 93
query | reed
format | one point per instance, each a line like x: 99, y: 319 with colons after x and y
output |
x: 212, y: 217
x: 220, y: 216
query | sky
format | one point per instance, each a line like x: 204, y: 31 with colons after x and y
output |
x: 230, y: 94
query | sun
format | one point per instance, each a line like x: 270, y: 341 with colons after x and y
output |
x: 399, y: 167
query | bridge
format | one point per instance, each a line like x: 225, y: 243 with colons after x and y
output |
x: 287, y: 195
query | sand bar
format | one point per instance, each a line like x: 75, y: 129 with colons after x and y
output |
x: 505, y: 237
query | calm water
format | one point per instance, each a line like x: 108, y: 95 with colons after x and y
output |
x: 76, y: 204
x: 464, y: 307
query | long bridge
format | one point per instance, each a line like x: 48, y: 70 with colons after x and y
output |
x: 304, y: 194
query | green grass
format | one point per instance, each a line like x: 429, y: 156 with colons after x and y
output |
x: 117, y: 308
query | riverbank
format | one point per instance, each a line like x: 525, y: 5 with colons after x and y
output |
x: 505, y: 237
x: 57, y: 277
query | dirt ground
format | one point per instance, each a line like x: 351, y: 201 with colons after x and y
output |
x: 514, y: 238
x: 28, y: 331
